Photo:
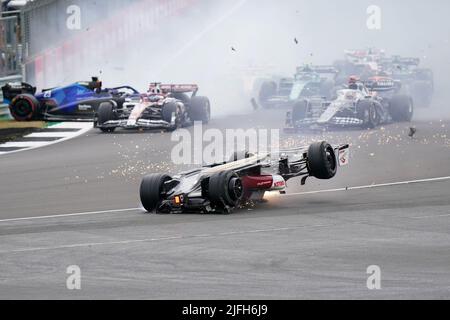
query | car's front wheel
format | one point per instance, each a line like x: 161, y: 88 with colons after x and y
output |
x: 322, y: 162
x: 368, y: 114
x: 171, y: 109
x: 105, y: 113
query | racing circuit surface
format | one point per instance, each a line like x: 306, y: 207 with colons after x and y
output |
x: 76, y: 203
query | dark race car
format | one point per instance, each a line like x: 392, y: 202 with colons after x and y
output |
x: 417, y: 82
x: 223, y: 187
x: 308, y: 81
x: 364, y: 63
x: 363, y: 105
x: 76, y: 102
x: 165, y: 106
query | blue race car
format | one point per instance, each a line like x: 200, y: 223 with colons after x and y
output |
x: 76, y: 102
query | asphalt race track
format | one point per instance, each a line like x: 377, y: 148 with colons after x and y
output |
x: 76, y: 203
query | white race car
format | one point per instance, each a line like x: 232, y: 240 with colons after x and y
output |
x: 164, y: 106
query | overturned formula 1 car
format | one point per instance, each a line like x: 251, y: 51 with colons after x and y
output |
x: 165, y: 106
x: 222, y: 187
x: 365, y: 105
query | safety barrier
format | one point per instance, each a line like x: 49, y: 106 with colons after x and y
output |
x: 52, y: 60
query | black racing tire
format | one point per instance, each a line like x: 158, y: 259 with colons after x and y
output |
x: 367, y: 112
x: 322, y: 162
x: 299, y: 110
x: 151, y: 190
x: 267, y: 90
x: 24, y: 107
x: 200, y: 109
x: 166, y: 113
x: 225, y: 187
x: 401, y: 108
x: 105, y: 112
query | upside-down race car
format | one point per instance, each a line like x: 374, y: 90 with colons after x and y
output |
x: 75, y: 102
x: 222, y: 187
x: 164, y: 106
x: 364, y: 105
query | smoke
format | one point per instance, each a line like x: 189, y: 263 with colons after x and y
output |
x: 223, y: 45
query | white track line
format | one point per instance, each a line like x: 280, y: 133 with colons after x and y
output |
x: 67, y: 135
x: 436, y: 216
x: 24, y: 144
x: 71, y: 214
x: 180, y: 237
x: 370, y: 186
x: 51, y: 134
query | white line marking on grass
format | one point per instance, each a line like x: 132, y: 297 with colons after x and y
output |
x: 67, y: 135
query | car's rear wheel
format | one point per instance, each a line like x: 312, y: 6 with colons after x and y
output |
x: 322, y: 162
x: 24, y: 108
x: 225, y: 189
x: 401, y: 108
x: 151, y: 190
x: 200, y: 109
x: 105, y: 113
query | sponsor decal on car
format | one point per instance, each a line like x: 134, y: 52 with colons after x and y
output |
x: 343, y: 156
x: 84, y: 107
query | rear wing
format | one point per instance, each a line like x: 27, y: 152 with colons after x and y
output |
x: 173, y: 88
x: 380, y: 84
x: 13, y: 89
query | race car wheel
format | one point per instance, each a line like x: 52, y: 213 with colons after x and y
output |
x: 322, y: 162
x: 368, y: 113
x: 225, y: 188
x: 267, y: 90
x: 167, y: 110
x: 401, y: 108
x: 152, y: 190
x: 200, y: 109
x: 24, y: 107
x: 105, y: 113
x: 299, y: 111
